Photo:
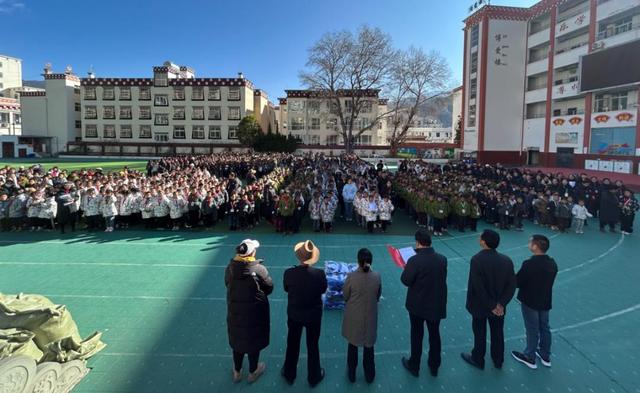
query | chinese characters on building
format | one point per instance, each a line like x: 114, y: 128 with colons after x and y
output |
x: 501, y: 49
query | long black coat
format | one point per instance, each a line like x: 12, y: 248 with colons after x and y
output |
x: 64, y: 212
x: 248, y: 320
x: 426, y: 276
x: 609, y: 209
x: 304, y: 286
x: 492, y: 280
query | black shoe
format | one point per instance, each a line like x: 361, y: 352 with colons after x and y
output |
x: 370, y: 377
x: 434, y: 371
x: 284, y: 375
x: 414, y: 372
x: 498, y: 366
x: 469, y: 359
x: 351, y: 374
x: 522, y: 358
x: 315, y: 383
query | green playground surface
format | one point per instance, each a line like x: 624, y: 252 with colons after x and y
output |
x: 72, y: 164
x: 159, y: 298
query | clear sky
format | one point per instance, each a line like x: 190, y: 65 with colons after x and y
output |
x: 267, y: 40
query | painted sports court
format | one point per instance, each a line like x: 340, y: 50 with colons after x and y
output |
x: 159, y: 298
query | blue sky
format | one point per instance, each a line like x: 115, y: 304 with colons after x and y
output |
x: 267, y: 40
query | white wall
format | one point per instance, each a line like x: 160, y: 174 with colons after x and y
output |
x: 11, y: 71
x: 505, y: 86
x: 34, y: 115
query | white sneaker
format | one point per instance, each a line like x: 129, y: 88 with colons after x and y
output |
x: 256, y: 374
x: 546, y: 363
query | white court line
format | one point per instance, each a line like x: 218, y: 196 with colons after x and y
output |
x: 595, y: 259
x: 105, y: 242
x: 204, y: 299
x: 379, y: 353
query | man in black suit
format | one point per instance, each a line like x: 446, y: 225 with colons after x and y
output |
x: 305, y: 286
x: 426, y: 277
x: 492, y: 284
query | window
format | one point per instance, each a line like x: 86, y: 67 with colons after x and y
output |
x: 145, y: 131
x: 109, y: 131
x: 109, y: 112
x: 197, y: 93
x: 90, y: 93
x: 233, y: 132
x: 178, y: 93
x: 234, y: 94
x: 314, y: 139
x: 125, y: 112
x: 77, y: 107
x: 474, y: 62
x: 296, y: 105
x: 601, y: 104
x: 91, y: 131
x: 215, y: 113
x: 161, y: 100
x: 572, y: 111
x: 475, y: 32
x: 162, y: 119
x: 315, y: 123
x: 125, y: 131
x: 125, y: 93
x: 214, y: 132
x: 78, y: 124
x: 145, y: 93
x: 332, y: 139
x: 108, y: 93
x: 178, y: 113
x: 473, y: 89
x: 161, y: 137
x: 90, y: 112
x: 332, y: 124
x: 197, y: 132
x: 348, y: 106
x: 17, y: 119
x: 214, y: 93
x: 234, y: 113
x: 197, y: 113
x: 623, y: 25
x: 178, y: 132
x: 160, y: 79
x: 367, y: 107
x: 557, y: 112
x: 297, y: 123
x: 619, y: 101
x: 145, y: 113
x: 314, y: 107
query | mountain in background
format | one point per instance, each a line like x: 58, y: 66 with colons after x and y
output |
x: 36, y: 84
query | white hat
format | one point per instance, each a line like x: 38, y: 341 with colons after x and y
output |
x: 249, y: 245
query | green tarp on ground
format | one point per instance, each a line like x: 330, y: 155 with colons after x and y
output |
x: 34, y: 321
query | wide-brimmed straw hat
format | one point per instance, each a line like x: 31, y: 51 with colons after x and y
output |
x: 307, y: 252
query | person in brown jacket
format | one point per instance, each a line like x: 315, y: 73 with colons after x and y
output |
x: 362, y: 290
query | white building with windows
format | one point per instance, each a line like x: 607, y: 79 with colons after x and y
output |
x: 10, y: 73
x: 308, y: 116
x: 10, y: 119
x: 172, y: 112
x: 556, y: 84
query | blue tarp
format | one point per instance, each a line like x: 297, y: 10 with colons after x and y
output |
x: 336, y: 275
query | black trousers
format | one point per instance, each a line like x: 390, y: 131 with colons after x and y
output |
x: 626, y: 222
x: 417, y: 335
x: 496, y: 325
x: 238, y: 358
x: 293, y: 350
x: 368, y: 362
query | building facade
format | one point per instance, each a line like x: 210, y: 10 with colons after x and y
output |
x: 10, y: 73
x: 171, y: 113
x: 10, y: 119
x: 308, y: 116
x: 524, y: 100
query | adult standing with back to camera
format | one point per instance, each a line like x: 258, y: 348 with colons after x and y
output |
x: 248, y: 321
x: 492, y: 284
x: 362, y: 290
x: 426, y: 277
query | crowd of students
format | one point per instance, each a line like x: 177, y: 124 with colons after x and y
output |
x: 492, y: 285
x: 242, y: 190
x: 458, y: 195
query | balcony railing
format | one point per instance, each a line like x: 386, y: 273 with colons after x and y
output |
x: 535, y: 115
x: 558, y: 82
x: 618, y: 30
x: 538, y: 57
x: 576, y: 46
x: 566, y: 113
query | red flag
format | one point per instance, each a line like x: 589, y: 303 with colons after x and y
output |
x: 396, y: 257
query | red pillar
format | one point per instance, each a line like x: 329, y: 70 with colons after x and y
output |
x: 547, y: 119
x: 588, y: 102
x: 483, y: 83
x: 464, y: 105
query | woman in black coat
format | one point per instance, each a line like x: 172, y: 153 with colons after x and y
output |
x: 67, y: 209
x: 609, y: 209
x: 248, y: 285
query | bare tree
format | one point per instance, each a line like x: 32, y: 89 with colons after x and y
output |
x: 415, y: 76
x: 348, y: 70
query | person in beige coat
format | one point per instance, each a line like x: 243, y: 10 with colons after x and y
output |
x: 362, y: 290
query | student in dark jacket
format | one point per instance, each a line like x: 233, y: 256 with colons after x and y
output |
x: 535, y: 280
x: 426, y: 277
x: 248, y: 322
x: 492, y: 284
x: 305, y: 286
x: 609, y: 208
